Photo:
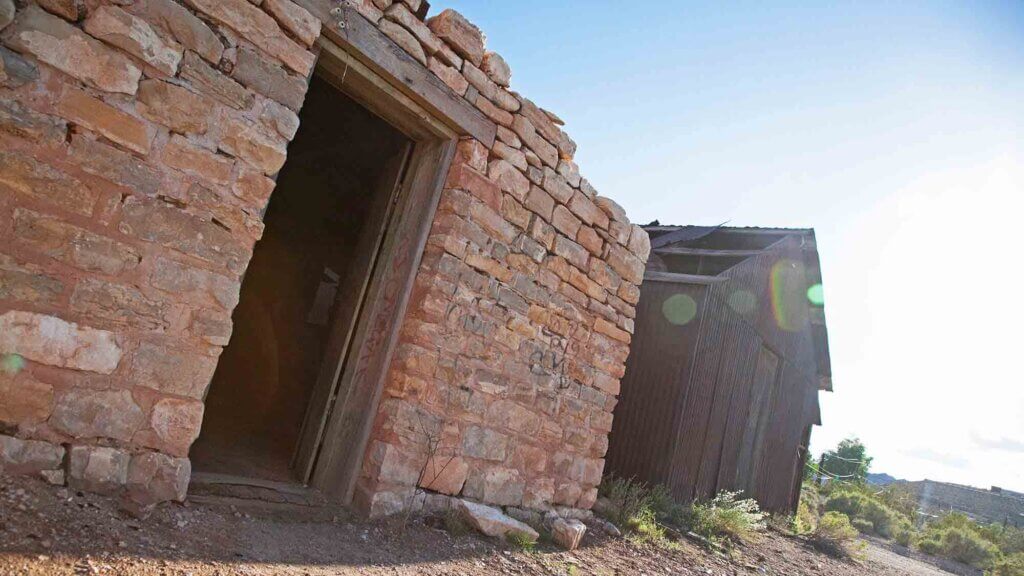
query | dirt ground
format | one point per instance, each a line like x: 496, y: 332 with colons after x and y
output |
x: 48, y: 530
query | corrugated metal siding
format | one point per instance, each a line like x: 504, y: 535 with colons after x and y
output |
x: 741, y: 406
x: 660, y: 357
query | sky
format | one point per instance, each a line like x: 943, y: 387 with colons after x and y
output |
x: 895, y: 130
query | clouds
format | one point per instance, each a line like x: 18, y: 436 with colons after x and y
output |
x: 937, y: 457
x: 1001, y: 444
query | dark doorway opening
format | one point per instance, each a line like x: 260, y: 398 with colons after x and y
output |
x: 302, y: 288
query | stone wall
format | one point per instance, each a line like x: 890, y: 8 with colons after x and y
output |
x: 136, y: 143
x: 984, y: 505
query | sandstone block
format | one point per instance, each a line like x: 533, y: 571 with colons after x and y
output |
x: 512, y: 156
x: 509, y: 179
x: 492, y: 522
x: 66, y: 9
x: 449, y: 75
x: 247, y: 142
x: 499, y: 116
x: 176, y: 424
x: 27, y: 283
x: 214, y: 84
x: 50, y: 340
x: 630, y: 293
x: 257, y: 27
x: 182, y: 25
x: 19, y: 456
x: 6, y: 13
x: 570, y: 171
x: 211, y: 326
x: 253, y: 188
x: 496, y: 68
x: 26, y: 401
x: 484, y: 443
x: 626, y: 264
x: 611, y: 208
x: 564, y: 221
x: 492, y: 222
x: 116, y: 166
x: 200, y: 284
x: 472, y: 153
x: 463, y: 37
x: 153, y: 478
x: 591, y: 240
x: 177, y: 108
x: 405, y: 40
x: 619, y: 231
x: 86, y: 413
x: 403, y: 15
x: 73, y: 245
x: 182, y: 373
x: 501, y: 486
x: 294, y: 19
x: 25, y: 123
x: 98, y: 116
x: 576, y: 255
x: 539, y: 202
x: 169, y: 226
x: 444, y: 474
x: 181, y: 154
x: 568, y: 533
x: 269, y: 79
x: 118, y: 304
x: 557, y: 186
x: 133, y: 35
x: 15, y: 70
x: 97, y: 469
x: 527, y: 132
x: 476, y: 77
x: 279, y: 118
x: 71, y: 51
x: 639, y: 243
x: 541, y: 121
x: 587, y: 211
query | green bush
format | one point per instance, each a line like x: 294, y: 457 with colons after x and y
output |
x: 863, y: 526
x: 867, y: 512
x: 960, y: 543
x: 727, y: 515
x: 836, y: 535
x: 1012, y: 565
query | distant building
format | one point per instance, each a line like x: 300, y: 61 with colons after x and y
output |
x: 994, y: 505
x: 729, y: 353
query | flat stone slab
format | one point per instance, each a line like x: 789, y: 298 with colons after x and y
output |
x: 493, y: 522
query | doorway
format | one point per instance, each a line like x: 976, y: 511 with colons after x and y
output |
x: 303, y: 293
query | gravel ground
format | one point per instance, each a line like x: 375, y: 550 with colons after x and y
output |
x: 48, y: 530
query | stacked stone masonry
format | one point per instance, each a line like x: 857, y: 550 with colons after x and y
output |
x: 137, y: 144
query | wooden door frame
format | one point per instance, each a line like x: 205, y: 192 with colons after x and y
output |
x: 370, y: 68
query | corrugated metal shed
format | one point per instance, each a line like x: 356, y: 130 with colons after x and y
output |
x: 730, y: 351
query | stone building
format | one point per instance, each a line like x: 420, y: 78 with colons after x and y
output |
x: 310, y: 246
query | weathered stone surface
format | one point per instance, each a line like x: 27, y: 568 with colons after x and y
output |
x: 19, y: 456
x: 182, y: 25
x: 611, y: 208
x: 175, y: 423
x: 496, y: 68
x: 404, y: 39
x: 66, y: 9
x: 465, y: 38
x: 253, y: 188
x: 492, y: 522
x: 159, y: 222
x: 133, y: 35
x: 587, y: 211
x: 539, y: 202
x: 171, y: 371
x: 116, y: 166
x: 471, y: 152
x: 556, y: 185
x: 85, y: 413
x: 175, y: 107
x: 98, y: 116
x: 257, y: 27
x: 295, y: 19
x: 97, y: 469
x: 154, y: 478
x: 626, y: 264
x: 509, y: 179
x: 591, y: 240
x: 485, y: 444
x: 462, y: 177
x: 214, y: 84
x: 501, y: 486
x: 25, y: 123
x: 279, y: 118
x: 39, y: 181
x: 571, y: 251
x: 568, y: 533
x: 25, y: 400
x: 541, y: 121
x: 15, y: 70
x: 6, y: 13
x: 118, y: 304
x: 499, y: 116
x: 449, y: 75
x: 269, y: 79
x: 639, y: 243
x: 400, y: 13
x: 189, y: 281
x: 71, y: 51
x: 247, y: 142
x: 27, y: 282
x: 444, y: 474
x: 181, y: 154
x: 73, y: 245
x: 50, y: 340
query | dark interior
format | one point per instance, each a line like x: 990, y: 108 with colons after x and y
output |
x: 260, y: 391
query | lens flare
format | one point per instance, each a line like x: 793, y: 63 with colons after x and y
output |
x: 787, y: 278
x: 679, y: 309
x: 11, y: 363
x: 742, y: 302
x: 816, y: 295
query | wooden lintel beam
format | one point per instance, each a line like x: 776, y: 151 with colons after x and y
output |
x: 348, y: 29
x: 678, y: 278
x: 681, y: 251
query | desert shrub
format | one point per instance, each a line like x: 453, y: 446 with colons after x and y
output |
x: 867, y: 511
x: 521, y: 541
x: 959, y: 542
x: 863, y: 526
x: 901, y: 498
x: 847, y: 502
x: 808, y: 509
x: 627, y: 499
x: 904, y: 533
x: 1012, y: 565
x: 727, y: 515
x: 836, y: 535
